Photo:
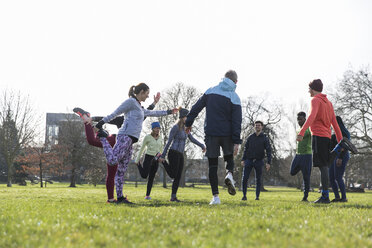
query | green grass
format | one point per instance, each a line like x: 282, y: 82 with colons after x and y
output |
x: 58, y: 216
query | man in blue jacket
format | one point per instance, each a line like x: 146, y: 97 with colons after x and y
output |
x: 222, y: 128
x: 254, y: 153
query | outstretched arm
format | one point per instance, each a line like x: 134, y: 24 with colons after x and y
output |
x: 195, y: 110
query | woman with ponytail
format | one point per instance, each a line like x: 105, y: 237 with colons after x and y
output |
x: 177, y: 142
x: 128, y: 134
x: 338, y: 165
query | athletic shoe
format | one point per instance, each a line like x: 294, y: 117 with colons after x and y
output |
x: 174, y: 199
x: 113, y: 201
x: 244, y: 198
x: 102, y: 133
x: 257, y: 199
x: 323, y: 200
x: 343, y: 200
x: 336, y: 200
x: 97, y: 118
x: 229, y: 181
x: 81, y: 112
x: 147, y: 197
x: 215, y: 201
x: 123, y: 200
x: 304, y: 199
x: 346, y: 143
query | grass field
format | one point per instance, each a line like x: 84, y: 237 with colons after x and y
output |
x: 58, y: 216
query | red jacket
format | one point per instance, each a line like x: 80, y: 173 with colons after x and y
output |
x: 321, y: 117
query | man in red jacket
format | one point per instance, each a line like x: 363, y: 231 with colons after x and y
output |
x: 320, y: 120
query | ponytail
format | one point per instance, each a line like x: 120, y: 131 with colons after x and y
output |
x: 136, y: 89
x: 131, y: 91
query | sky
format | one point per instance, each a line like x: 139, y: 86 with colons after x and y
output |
x: 65, y: 54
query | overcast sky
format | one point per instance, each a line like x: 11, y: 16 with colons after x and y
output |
x: 87, y: 53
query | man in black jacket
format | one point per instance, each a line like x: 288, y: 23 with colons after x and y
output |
x: 254, y: 153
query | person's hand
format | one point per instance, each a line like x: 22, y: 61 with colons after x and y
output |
x: 161, y: 160
x: 300, y: 138
x: 174, y: 111
x: 236, y: 149
x: 156, y: 98
x: 188, y: 130
x: 242, y: 163
x: 338, y: 162
x: 267, y: 167
x: 204, y: 150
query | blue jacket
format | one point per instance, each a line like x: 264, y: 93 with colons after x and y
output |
x: 223, y: 115
x: 256, y: 146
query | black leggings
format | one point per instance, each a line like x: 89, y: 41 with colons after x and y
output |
x: 174, y: 168
x: 149, y: 169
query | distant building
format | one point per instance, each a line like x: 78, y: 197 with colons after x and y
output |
x: 53, y: 124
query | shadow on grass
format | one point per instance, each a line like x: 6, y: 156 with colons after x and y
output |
x: 358, y: 206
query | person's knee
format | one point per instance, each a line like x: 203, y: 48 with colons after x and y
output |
x: 213, y: 162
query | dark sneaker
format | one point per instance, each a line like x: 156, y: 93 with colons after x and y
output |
x: 304, y: 199
x: 118, y: 121
x: 343, y: 200
x: 336, y: 200
x: 81, y: 112
x: 323, y: 200
x: 174, y: 199
x: 113, y: 201
x: 123, y: 200
x: 346, y: 143
x: 102, y: 133
x: 257, y: 199
x: 229, y: 181
x: 97, y: 118
x: 244, y: 198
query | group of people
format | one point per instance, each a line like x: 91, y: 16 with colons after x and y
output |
x: 222, y: 131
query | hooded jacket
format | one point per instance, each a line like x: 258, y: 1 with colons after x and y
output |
x: 321, y: 117
x: 223, y: 115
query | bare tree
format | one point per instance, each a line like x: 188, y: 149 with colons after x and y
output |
x: 18, y: 126
x: 180, y: 95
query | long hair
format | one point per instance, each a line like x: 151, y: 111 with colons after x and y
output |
x: 136, y: 89
x: 344, y: 130
x: 181, y: 124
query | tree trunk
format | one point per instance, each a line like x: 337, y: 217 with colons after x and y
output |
x: 41, y: 174
x: 73, y: 178
x: 9, y: 183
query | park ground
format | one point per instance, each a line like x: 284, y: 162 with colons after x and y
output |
x: 59, y: 216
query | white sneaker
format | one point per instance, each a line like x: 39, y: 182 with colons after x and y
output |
x: 215, y: 201
x: 230, y: 183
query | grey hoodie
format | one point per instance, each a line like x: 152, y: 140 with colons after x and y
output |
x: 134, y: 115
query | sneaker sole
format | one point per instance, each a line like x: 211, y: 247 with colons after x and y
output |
x: 354, y: 150
x: 81, y: 112
x: 230, y: 187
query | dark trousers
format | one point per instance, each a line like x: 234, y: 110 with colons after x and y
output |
x: 335, y: 176
x: 174, y: 168
x: 302, y: 162
x: 249, y: 164
x: 149, y: 169
x: 213, y: 166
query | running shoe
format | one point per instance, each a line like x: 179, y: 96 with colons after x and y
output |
x: 215, y: 201
x: 123, y: 200
x: 81, y: 112
x: 229, y: 181
x: 244, y: 198
x: 102, y: 133
x: 113, y: 201
x: 174, y: 199
x: 323, y: 200
x: 147, y: 197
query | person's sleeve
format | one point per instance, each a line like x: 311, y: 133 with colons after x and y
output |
x: 246, y: 147
x: 144, y: 144
x: 195, y: 141
x: 313, y: 112
x: 151, y: 106
x: 156, y: 112
x: 170, y: 140
x: 123, y: 108
x: 236, y: 123
x: 268, y: 150
x: 195, y: 110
